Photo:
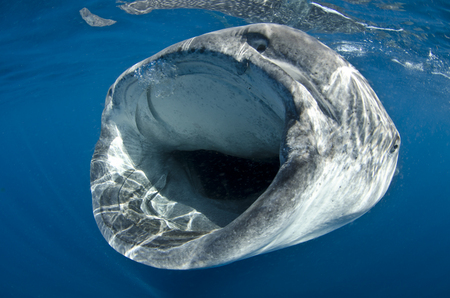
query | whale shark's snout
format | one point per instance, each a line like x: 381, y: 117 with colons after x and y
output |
x: 236, y: 143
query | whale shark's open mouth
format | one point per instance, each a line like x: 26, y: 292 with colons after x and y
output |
x: 216, y: 136
x: 236, y: 143
x: 199, y: 136
x: 234, y: 183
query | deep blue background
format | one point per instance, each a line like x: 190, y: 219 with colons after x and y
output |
x: 55, y: 71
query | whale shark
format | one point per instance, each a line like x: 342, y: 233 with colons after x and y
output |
x: 300, y: 14
x: 237, y: 143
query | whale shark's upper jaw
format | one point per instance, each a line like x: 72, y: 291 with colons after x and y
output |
x: 236, y: 143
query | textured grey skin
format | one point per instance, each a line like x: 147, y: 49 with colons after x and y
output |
x: 337, y: 147
x: 94, y: 20
x: 300, y: 14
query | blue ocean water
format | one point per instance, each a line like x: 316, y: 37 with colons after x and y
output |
x: 55, y: 71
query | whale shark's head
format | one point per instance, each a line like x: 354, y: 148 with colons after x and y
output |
x: 236, y: 143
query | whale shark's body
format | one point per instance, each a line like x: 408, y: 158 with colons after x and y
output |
x: 236, y: 143
x: 300, y: 14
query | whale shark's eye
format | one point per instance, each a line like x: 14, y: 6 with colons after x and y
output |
x: 261, y: 48
x: 395, y: 144
x: 257, y: 41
